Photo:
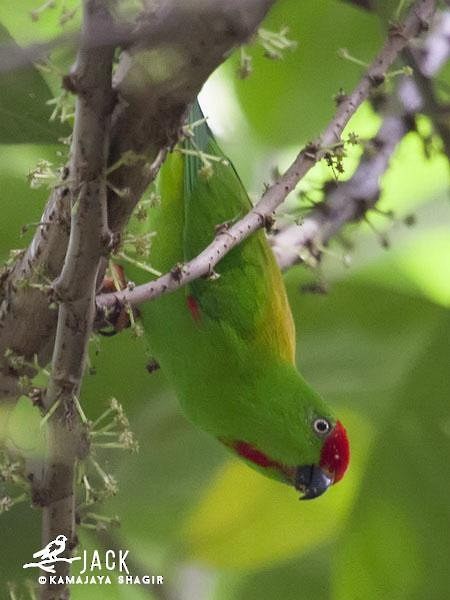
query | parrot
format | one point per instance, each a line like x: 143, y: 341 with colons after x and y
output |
x: 226, y: 342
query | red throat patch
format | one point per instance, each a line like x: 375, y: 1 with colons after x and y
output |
x: 249, y: 452
x: 254, y: 455
x: 335, y: 454
x: 193, y: 307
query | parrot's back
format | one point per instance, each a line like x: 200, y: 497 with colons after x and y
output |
x: 237, y: 317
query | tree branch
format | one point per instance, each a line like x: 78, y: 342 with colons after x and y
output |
x: 66, y: 438
x: 347, y: 202
x: 188, y: 40
x: 203, y: 265
x: 436, y: 48
x: 431, y: 106
x: 350, y: 201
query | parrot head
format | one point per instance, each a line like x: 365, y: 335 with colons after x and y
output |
x: 296, y: 441
x: 312, y: 480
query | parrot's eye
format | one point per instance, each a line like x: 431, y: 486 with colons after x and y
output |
x: 321, y: 426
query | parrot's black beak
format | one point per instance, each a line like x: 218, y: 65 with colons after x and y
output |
x: 312, y: 481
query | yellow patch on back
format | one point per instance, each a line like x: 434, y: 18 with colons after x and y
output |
x: 277, y: 330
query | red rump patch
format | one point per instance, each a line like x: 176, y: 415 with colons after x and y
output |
x: 254, y: 455
x: 335, y: 454
x: 193, y: 307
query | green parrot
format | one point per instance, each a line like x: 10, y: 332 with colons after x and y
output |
x: 227, y: 343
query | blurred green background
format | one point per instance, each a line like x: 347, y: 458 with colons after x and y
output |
x: 376, y: 346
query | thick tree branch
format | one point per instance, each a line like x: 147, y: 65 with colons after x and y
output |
x: 184, y: 42
x: 76, y: 285
x: 438, y: 113
x: 203, y: 265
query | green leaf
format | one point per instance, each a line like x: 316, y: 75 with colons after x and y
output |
x: 397, y: 543
x: 38, y: 20
x: 305, y: 577
x: 24, y: 115
x: 357, y: 342
x: 174, y: 463
x: 306, y: 79
x: 20, y: 205
x: 20, y: 531
x: 245, y: 520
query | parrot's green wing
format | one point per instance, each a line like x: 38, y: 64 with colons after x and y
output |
x: 248, y: 295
